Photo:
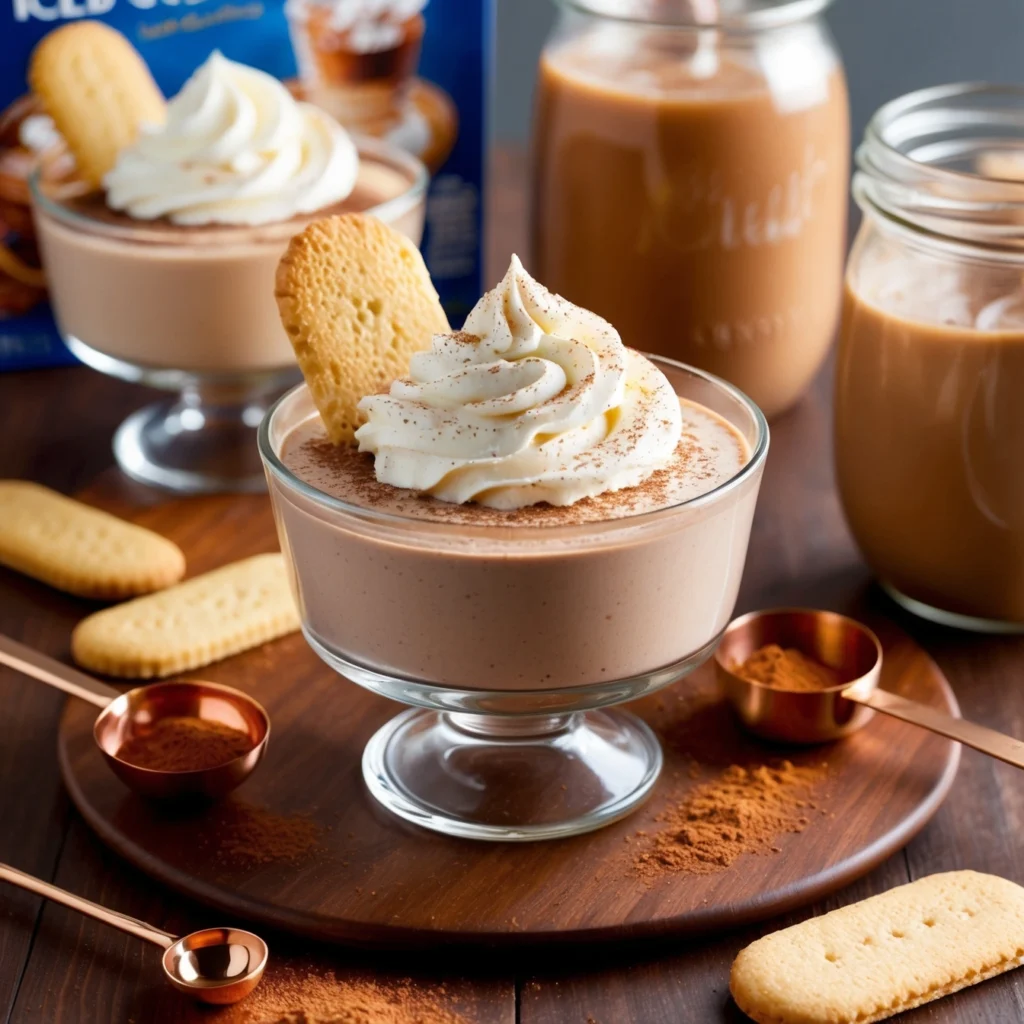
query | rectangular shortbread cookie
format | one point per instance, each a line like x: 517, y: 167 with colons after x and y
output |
x: 204, y: 619
x: 81, y: 549
x: 884, y: 955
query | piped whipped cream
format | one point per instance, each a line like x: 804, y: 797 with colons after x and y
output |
x: 535, y: 400
x: 236, y: 148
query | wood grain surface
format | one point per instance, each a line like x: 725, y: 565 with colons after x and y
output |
x: 56, y: 427
x: 372, y: 878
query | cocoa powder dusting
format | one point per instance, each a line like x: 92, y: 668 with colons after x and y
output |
x: 744, y: 810
x: 290, y: 995
x: 787, y: 669
x: 345, y: 472
x: 243, y: 835
x: 184, y: 744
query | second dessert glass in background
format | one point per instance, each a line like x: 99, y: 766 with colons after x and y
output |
x: 507, y: 640
x: 192, y: 311
x: 690, y: 181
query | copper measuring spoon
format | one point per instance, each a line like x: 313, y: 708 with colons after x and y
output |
x: 817, y: 716
x: 133, y: 713
x: 215, y: 965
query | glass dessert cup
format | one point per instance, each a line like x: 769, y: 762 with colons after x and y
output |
x: 512, y: 643
x: 192, y: 311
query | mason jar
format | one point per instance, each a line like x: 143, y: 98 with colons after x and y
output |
x: 690, y: 169
x: 929, y: 427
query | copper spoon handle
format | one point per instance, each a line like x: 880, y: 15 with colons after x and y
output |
x: 122, y: 922
x: 988, y: 741
x: 47, y: 670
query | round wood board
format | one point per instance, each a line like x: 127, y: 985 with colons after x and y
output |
x: 359, y: 875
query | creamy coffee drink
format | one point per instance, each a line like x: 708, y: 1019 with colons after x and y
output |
x: 534, y: 507
x: 172, y: 265
x: 693, y: 193
x: 200, y: 298
x: 930, y: 428
x: 357, y: 58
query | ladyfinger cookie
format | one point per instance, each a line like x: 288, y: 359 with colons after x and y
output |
x: 81, y: 549
x: 204, y: 619
x: 97, y: 89
x: 356, y: 301
x: 871, y: 960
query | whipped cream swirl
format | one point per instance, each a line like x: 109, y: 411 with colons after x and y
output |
x: 534, y: 400
x: 236, y: 148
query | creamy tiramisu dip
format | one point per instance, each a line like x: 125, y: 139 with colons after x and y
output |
x: 534, y: 506
x: 509, y: 421
x: 171, y: 262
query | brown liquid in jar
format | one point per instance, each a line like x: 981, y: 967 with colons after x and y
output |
x: 930, y: 435
x: 703, y: 217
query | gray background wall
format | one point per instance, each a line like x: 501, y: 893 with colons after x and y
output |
x: 889, y: 47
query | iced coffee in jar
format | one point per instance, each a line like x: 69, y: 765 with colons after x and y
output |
x: 690, y: 181
x: 929, y: 429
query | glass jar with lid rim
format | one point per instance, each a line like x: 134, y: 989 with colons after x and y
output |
x: 929, y: 427
x: 690, y: 169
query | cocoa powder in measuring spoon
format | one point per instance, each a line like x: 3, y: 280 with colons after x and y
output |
x: 786, y: 669
x: 185, y: 744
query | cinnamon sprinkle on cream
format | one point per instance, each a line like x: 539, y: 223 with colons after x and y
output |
x: 695, y: 468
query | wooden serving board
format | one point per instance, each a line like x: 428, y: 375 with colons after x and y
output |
x: 369, y: 878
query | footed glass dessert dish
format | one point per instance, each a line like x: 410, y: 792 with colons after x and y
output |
x: 191, y: 310
x: 512, y: 641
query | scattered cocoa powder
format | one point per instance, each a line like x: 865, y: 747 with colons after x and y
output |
x: 291, y: 995
x: 184, y: 744
x: 787, y: 669
x: 347, y: 473
x: 743, y: 810
x: 244, y: 835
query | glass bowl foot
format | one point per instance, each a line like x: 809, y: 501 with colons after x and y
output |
x: 193, y: 445
x: 512, y: 779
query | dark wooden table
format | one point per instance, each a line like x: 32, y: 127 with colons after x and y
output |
x: 56, y: 427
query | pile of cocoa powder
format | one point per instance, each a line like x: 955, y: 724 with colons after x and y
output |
x: 725, y: 796
x: 243, y: 835
x: 185, y: 744
x: 293, y: 995
x: 786, y: 669
x: 744, y: 810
